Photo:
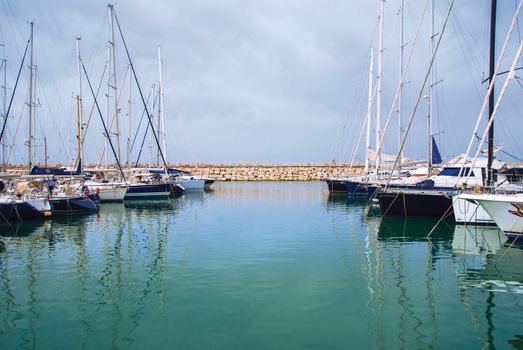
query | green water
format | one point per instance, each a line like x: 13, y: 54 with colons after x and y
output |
x: 257, y: 266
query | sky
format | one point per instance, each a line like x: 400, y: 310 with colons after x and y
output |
x: 250, y: 82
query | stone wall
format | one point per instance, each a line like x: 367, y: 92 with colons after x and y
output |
x: 250, y: 172
x: 272, y: 172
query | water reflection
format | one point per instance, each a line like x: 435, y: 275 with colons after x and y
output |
x: 223, y: 269
x: 414, y: 229
x: 409, y: 252
x: 485, y: 260
x: 342, y: 200
x: 84, y: 262
x: 268, y: 191
x: 486, y: 263
x: 23, y: 229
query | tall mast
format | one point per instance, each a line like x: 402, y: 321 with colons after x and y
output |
x: 161, y: 114
x: 31, y: 106
x: 431, y: 83
x: 492, y: 58
x: 107, y: 108
x: 4, y: 65
x: 369, y: 111
x: 159, y: 125
x: 114, y: 86
x: 45, y: 152
x: 79, y: 128
x: 400, y: 126
x: 129, y: 131
x: 380, y: 79
x: 79, y: 101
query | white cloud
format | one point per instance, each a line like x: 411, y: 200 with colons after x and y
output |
x: 259, y: 81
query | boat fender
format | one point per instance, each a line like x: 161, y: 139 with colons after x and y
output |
x: 97, y: 190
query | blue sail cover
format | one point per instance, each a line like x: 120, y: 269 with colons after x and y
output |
x: 436, y: 156
x: 36, y: 170
x: 170, y: 171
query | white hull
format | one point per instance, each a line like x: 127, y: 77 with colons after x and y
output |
x: 192, y: 183
x: 112, y: 194
x: 108, y: 192
x: 466, y: 211
x: 506, y: 210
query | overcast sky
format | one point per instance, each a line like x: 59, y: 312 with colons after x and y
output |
x: 253, y: 81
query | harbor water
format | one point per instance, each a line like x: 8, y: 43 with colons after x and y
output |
x: 257, y: 266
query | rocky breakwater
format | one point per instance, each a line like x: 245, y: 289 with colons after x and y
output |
x: 272, y: 172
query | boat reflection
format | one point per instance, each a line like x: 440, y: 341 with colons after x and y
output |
x: 488, y: 268
x: 23, y: 229
x: 486, y: 260
x: 148, y: 205
x: 414, y: 229
x: 343, y: 200
x: 105, y: 258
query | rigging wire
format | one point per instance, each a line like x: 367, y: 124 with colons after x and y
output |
x: 14, y: 90
x: 421, y: 91
x: 491, y: 86
x: 140, y: 91
x: 342, y: 134
x: 391, y: 112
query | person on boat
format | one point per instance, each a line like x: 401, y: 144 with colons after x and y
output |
x: 51, y: 185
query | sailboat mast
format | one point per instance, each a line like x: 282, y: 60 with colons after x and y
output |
x: 400, y: 126
x: 159, y: 125
x: 79, y: 101
x: 379, y: 83
x: 431, y: 83
x: 107, y: 108
x: 369, y: 111
x: 161, y: 113
x: 45, y: 152
x: 129, y: 132
x: 114, y: 86
x: 31, y: 106
x: 4, y: 149
x: 79, y: 127
x: 492, y: 57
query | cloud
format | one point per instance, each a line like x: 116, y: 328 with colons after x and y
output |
x: 262, y: 81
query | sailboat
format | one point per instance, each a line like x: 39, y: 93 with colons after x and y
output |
x: 466, y: 207
x: 40, y: 206
x: 481, y: 173
x: 433, y: 197
x: 505, y: 209
x: 141, y: 185
x: 185, y: 179
x: 23, y: 203
x: 370, y: 182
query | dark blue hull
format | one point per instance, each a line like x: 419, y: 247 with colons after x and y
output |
x: 21, y: 211
x: 336, y: 186
x: 372, y: 191
x: 73, y: 205
x: 423, y: 203
x: 148, y: 191
x: 356, y: 188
